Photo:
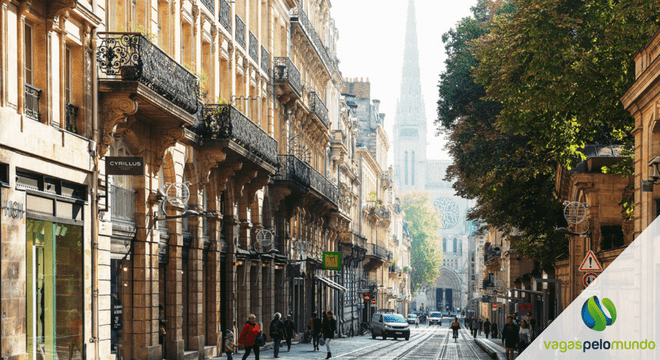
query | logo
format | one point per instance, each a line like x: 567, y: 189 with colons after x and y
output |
x: 594, y: 316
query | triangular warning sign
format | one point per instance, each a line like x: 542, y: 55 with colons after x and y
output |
x: 590, y: 263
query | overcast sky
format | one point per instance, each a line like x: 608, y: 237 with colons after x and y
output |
x: 371, y: 36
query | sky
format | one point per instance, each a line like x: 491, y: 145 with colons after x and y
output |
x: 371, y: 40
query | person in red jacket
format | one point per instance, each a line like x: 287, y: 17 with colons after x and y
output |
x: 248, y: 334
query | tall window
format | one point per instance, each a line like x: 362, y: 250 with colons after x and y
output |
x: 455, y: 244
x: 412, y: 173
x: 405, y: 173
x: 444, y: 244
x: 29, y: 53
x: 67, y: 76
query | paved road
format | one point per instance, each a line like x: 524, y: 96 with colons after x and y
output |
x: 426, y: 343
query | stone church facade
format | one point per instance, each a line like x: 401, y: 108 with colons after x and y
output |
x: 413, y: 170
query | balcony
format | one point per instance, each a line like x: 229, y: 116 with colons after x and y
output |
x: 32, y: 96
x: 130, y: 63
x: 70, y: 120
x: 225, y: 15
x: 306, y: 178
x: 225, y: 122
x: 240, y: 32
x: 254, y: 47
x: 209, y: 5
x: 376, y: 256
x: 287, y: 77
x: 318, y: 108
x: 265, y: 60
x: 323, y: 186
x: 299, y: 19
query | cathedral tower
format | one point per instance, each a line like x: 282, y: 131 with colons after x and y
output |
x: 410, y: 119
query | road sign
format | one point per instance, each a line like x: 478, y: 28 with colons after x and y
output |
x: 373, y: 301
x: 589, y: 278
x: 494, y: 306
x: 366, y: 297
x: 590, y: 263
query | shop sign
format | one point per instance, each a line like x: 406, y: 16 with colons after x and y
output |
x: 331, y: 260
x: 13, y: 209
x: 525, y: 306
x: 123, y: 165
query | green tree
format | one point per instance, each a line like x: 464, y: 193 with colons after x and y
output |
x: 511, y: 182
x: 423, y: 224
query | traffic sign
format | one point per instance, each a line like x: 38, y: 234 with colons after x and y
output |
x: 494, y: 306
x: 366, y: 297
x: 590, y: 263
x: 373, y: 301
x: 589, y: 278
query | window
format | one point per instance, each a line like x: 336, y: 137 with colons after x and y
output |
x: 455, y: 245
x: 29, y: 56
x: 444, y: 244
x: 412, y: 173
x: 405, y: 172
x: 67, y: 76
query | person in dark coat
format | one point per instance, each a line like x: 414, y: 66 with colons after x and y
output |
x: 289, y: 331
x: 329, y: 327
x: 277, y: 333
x: 474, y: 327
x: 509, y: 337
x: 481, y: 325
x: 493, y: 330
x: 316, y: 328
x: 486, y: 328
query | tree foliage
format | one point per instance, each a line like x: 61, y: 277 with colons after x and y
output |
x: 511, y: 182
x: 423, y: 224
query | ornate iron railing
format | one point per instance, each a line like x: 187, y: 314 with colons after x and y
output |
x: 132, y: 57
x: 265, y: 60
x: 71, y: 112
x: 123, y: 204
x: 32, y: 96
x: 292, y: 168
x: 254, y: 47
x: 209, y: 5
x: 285, y: 71
x: 240, y: 31
x: 318, y: 107
x: 390, y: 256
x: 323, y: 186
x: 299, y: 17
x: 377, y: 251
x: 226, y: 122
x: 225, y: 15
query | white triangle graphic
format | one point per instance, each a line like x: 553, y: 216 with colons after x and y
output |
x: 632, y: 284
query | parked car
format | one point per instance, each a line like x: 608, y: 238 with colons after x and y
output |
x: 412, y: 319
x: 389, y: 325
x: 435, y: 318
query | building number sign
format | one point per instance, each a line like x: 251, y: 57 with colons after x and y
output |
x: 13, y: 209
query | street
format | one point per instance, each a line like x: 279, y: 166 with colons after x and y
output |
x: 426, y: 343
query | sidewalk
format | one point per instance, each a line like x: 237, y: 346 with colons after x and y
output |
x: 492, y: 346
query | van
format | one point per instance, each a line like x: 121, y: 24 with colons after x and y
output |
x: 435, y: 318
x: 389, y: 325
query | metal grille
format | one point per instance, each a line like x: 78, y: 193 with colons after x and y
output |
x: 240, y: 32
x: 209, y: 4
x: 285, y: 71
x: 254, y: 47
x: 32, y: 95
x: 299, y: 17
x: 265, y: 60
x: 123, y: 204
x: 319, y: 109
x: 225, y: 15
x: 71, y: 112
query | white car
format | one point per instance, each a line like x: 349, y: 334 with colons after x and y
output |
x: 412, y: 319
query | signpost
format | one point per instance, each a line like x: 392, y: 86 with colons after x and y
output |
x: 331, y: 260
x: 589, y: 278
x: 590, y: 263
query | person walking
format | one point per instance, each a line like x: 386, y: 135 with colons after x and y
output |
x: 315, y: 326
x: 474, y: 327
x: 486, y: 328
x: 229, y: 345
x: 524, y: 336
x: 329, y: 327
x: 248, y: 335
x: 289, y: 331
x: 481, y: 325
x: 509, y: 337
x: 493, y: 329
x: 454, y: 327
x: 277, y: 333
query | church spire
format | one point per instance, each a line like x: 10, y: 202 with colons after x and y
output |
x: 410, y: 107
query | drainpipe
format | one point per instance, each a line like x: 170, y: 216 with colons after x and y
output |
x: 95, y: 205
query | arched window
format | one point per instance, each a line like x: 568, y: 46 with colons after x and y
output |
x: 455, y: 244
x: 460, y: 247
x: 444, y: 244
x: 412, y: 172
x: 405, y: 173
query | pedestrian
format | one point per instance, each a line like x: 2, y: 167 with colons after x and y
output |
x: 248, y: 335
x: 481, y: 325
x: 524, y: 336
x: 329, y: 327
x: 475, y: 327
x: 277, y: 333
x: 509, y: 337
x: 289, y: 331
x: 229, y: 344
x: 486, y: 328
x: 316, y: 328
x: 454, y: 327
x: 493, y: 329
x: 533, y: 327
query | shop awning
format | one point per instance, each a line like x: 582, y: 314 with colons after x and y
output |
x: 331, y: 283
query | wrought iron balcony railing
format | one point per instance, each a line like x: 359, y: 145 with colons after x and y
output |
x: 225, y: 15
x: 123, y: 204
x: 32, y: 96
x: 285, y: 72
x: 292, y: 168
x: 71, y: 112
x: 377, y: 251
x: 299, y: 17
x: 132, y: 57
x: 265, y: 60
x: 226, y: 122
x: 319, y: 109
x: 323, y: 186
x: 254, y: 47
x: 240, y: 31
x: 209, y: 5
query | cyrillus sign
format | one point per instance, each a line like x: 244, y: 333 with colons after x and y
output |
x: 120, y: 165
